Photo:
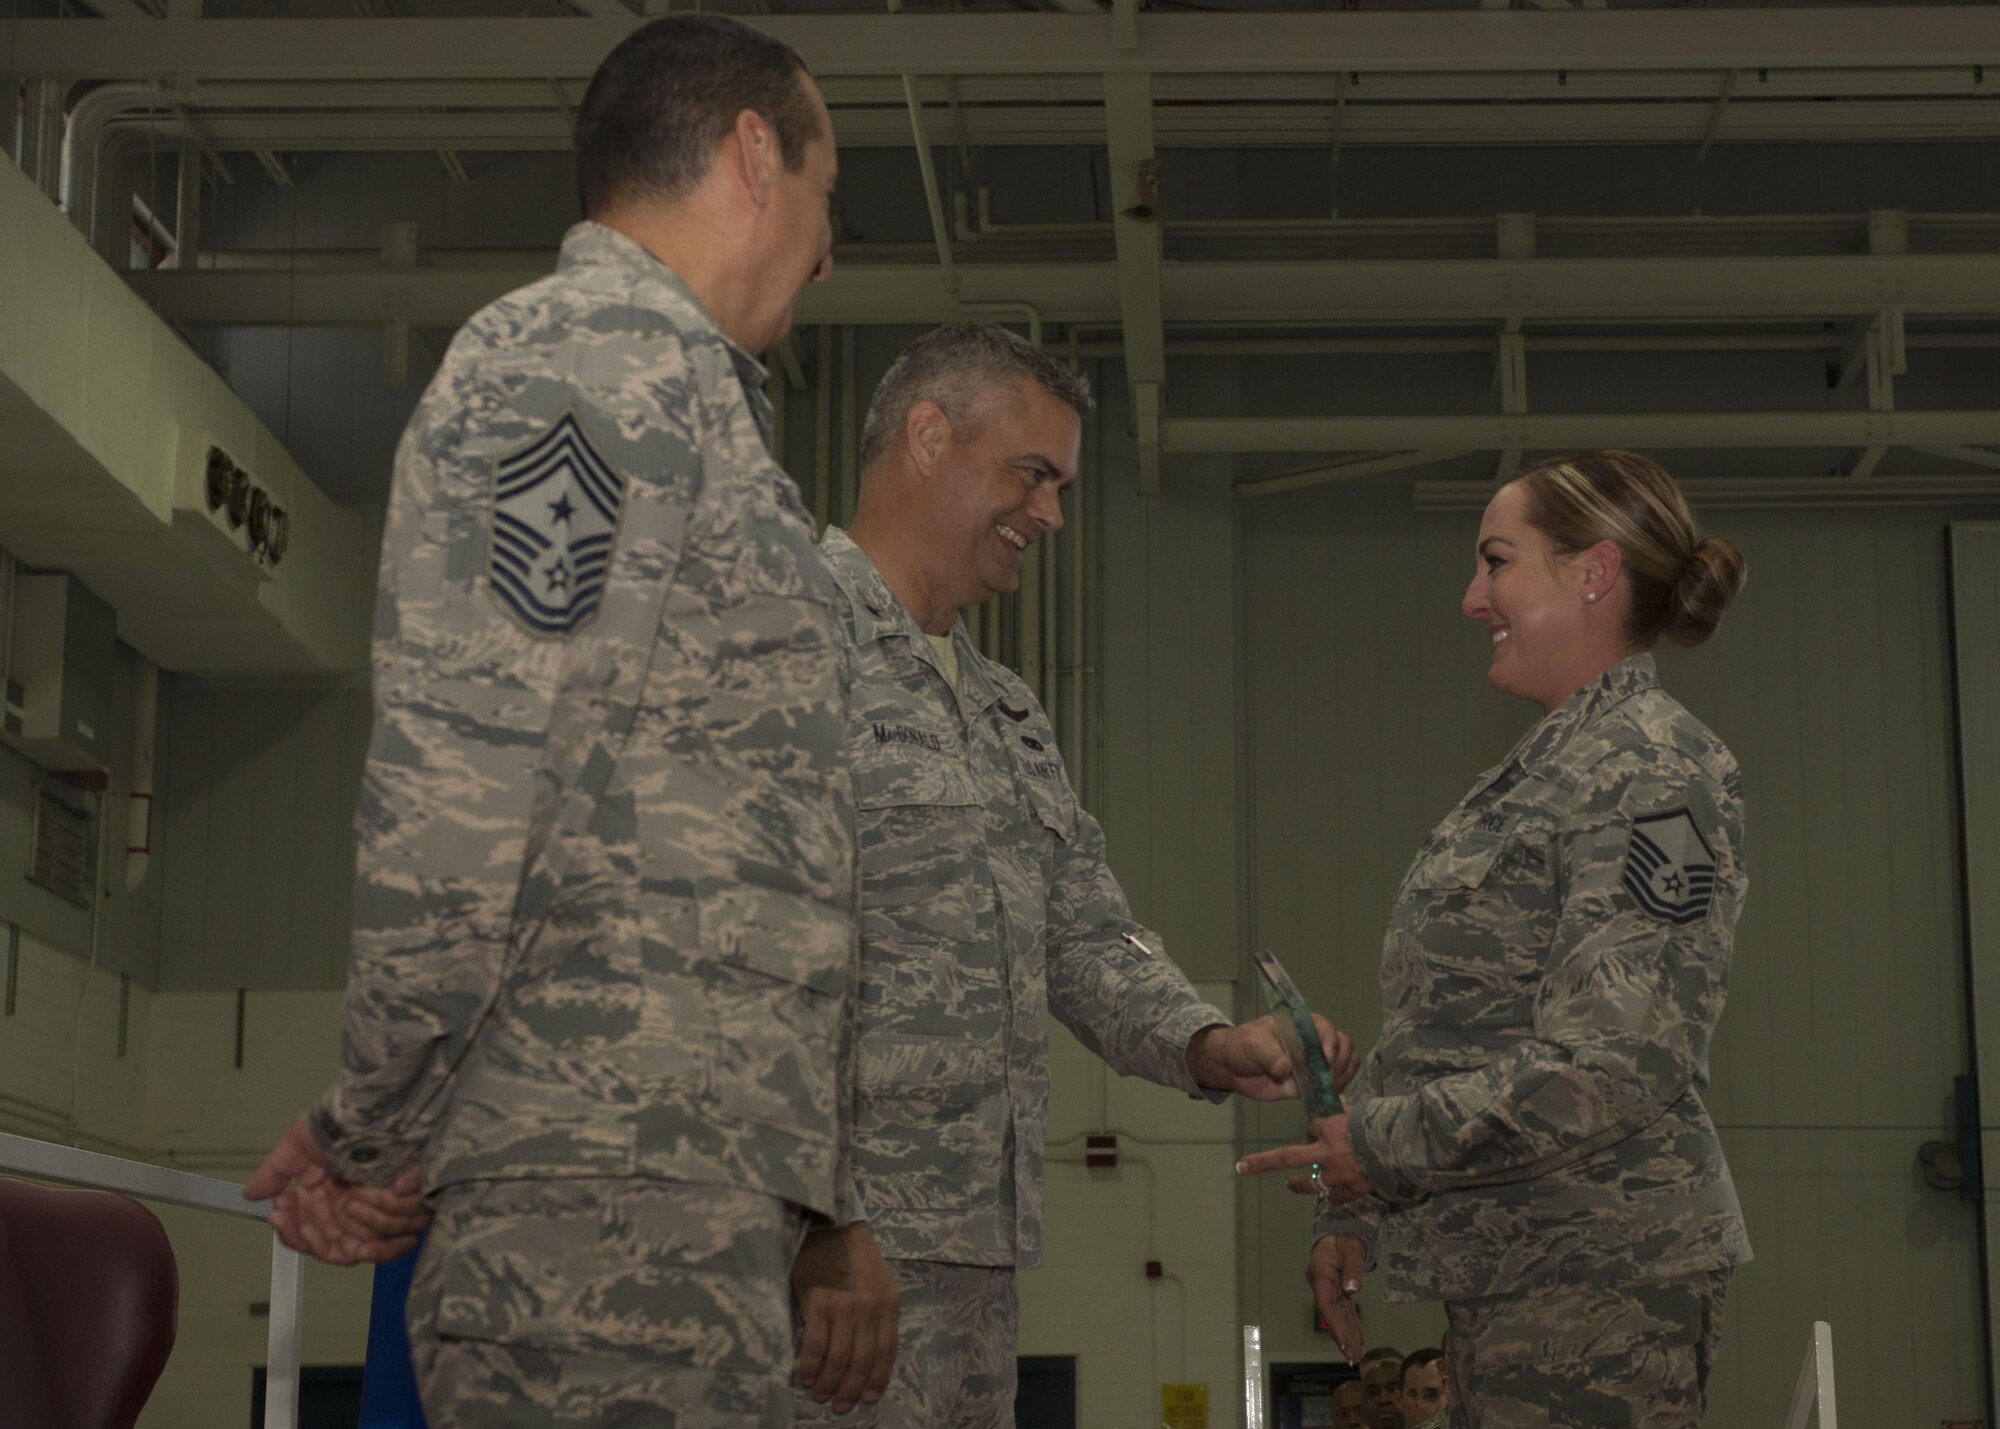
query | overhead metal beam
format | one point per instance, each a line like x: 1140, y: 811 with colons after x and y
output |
x: 120, y: 10
x: 1137, y: 223
x: 1321, y: 474
x: 1844, y: 37
x: 1715, y: 116
x: 1853, y: 359
x: 1670, y: 430
x: 1510, y: 381
x: 1971, y: 456
x: 1390, y: 292
x: 1775, y: 491
x: 1170, y: 91
x: 311, y: 123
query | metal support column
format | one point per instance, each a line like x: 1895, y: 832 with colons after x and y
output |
x: 1137, y: 225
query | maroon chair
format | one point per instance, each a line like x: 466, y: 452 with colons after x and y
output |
x: 88, y: 1297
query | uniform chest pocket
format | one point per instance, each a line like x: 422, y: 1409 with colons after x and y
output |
x: 1046, y: 792
x: 901, y: 763
x: 919, y: 820
x: 1471, y: 926
x: 1461, y: 865
x: 1462, y: 859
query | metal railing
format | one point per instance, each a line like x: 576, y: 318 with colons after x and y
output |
x: 1815, y: 1389
x: 46, y: 1161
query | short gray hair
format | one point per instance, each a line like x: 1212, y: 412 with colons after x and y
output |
x: 956, y: 367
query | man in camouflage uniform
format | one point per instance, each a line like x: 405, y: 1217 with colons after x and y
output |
x: 986, y: 900
x: 1527, y: 1140
x: 605, y: 944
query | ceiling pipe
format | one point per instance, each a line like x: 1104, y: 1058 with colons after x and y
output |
x: 83, y: 147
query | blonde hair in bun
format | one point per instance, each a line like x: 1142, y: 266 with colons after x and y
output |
x: 1680, y: 585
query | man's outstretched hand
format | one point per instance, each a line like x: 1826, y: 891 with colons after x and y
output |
x: 1250, y: 1060
x: 328, y: 1217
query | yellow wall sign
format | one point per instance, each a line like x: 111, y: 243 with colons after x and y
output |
x: 1184, y: 1406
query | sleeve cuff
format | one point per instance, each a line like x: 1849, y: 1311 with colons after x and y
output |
x: 1371, y: 1127
x: 850, y: 1207
x: 373, y: 1160
x: 1177, y: 1032
x: 1366, y: 1218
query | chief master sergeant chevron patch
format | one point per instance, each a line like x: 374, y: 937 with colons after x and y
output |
x: 555, y: 515
x: 1670, y: 868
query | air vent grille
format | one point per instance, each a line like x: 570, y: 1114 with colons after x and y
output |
x: 63, y: 857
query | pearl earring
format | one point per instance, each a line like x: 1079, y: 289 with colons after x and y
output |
x: 1591, y: 597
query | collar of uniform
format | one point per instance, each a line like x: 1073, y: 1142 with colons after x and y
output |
x: 656, y: 286
x: 1630, y: 676
x: 877, y: 614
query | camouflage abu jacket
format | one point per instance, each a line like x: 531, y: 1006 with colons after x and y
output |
x: 605, y: 892
x: 986, y: 904
x: 1555, y: 965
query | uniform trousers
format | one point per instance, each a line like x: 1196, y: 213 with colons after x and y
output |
x: 956, y: 1330
x: 605, y: 1304
x: 1617, y: 1356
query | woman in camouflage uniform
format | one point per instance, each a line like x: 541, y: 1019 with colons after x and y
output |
x: 1527, y: 1142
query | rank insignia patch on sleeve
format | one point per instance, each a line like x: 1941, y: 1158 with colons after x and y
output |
x: 1669, y: 867
x: 555, y: 515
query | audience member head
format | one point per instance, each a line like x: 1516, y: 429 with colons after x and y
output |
x: 1348, y: 1412
x: 1382, y: 1390
x: 1425, y: 1391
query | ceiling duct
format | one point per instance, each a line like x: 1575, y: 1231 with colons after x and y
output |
x: 63, y: 645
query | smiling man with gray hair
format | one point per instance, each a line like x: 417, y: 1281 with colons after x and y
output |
x: 986, y: 901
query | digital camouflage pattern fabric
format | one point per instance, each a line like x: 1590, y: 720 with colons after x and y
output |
x: 1588, y: 1356
x: 986, y: 905
x: 605, y: 889
x: 1532, y: 1112
x: 956, y: 1326
x: 575, y: 1304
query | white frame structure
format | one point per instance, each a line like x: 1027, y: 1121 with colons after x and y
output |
x: 1815, y: 1387
x: 46, y: 1161
x: 1253, y: 1377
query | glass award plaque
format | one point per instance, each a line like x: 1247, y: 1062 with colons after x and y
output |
x: 1299, y: 1037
